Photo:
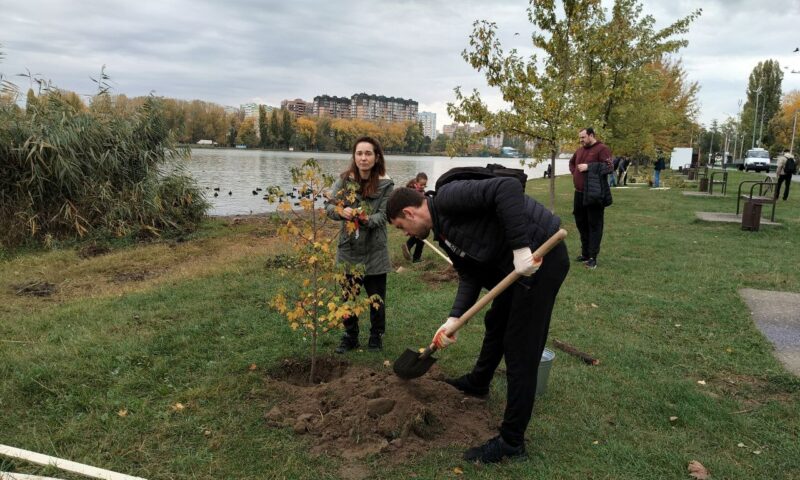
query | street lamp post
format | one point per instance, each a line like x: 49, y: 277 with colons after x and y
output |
x: 755, y: 116
x: 711, y: 149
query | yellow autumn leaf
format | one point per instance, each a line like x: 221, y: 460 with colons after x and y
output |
x: 123, y: 412
x: 178, y: 407
x: 458, y: 471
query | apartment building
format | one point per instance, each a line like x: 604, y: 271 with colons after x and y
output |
x: 297, y: 106
x: 328, y: 106
x: 428, y: 121
x: 379, y: 107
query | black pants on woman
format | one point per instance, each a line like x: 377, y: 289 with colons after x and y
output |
x: 374, y: 285
x: 516, y: 328
x: 589, y: 220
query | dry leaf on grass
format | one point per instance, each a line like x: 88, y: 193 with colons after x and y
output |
x: 701, y: 382
x: 594, y: 305
x: 673, y: 419
x: 387, y: 363
x: 178, y: 407
x: 458, y: 471
x: 123, y: 412
x: 252, y: 367
x: 697, y: 470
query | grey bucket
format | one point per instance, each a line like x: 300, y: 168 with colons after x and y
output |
x: 544, y: 371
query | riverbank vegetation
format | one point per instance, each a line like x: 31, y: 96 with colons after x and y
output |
x: 71, y: 170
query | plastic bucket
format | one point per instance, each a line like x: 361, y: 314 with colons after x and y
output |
x: 544, y: 371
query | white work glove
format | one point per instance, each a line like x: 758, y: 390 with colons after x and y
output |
x: 440, y: 339
x: 523, y: 262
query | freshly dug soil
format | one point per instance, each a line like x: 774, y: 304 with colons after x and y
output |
x: 358, y: 412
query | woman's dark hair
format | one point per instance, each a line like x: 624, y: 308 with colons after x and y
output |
x: 370, y: 185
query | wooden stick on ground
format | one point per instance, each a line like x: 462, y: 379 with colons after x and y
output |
x: 62, y: 464
x: 565, y: 347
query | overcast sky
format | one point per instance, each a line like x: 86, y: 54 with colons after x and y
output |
x: 240, y: 51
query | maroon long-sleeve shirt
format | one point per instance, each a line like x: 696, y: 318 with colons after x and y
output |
x: 597, y: 152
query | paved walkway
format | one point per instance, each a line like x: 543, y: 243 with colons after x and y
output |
x: 729, y: 218
x: 703, y: 194
x: 777, y: 315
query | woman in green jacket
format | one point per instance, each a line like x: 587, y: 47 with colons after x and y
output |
x: 359, y: 201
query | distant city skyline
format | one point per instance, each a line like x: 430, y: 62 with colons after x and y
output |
x: 239, y: 52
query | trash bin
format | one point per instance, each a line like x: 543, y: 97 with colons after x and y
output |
x: 544, y: 371
x: 751, y: 216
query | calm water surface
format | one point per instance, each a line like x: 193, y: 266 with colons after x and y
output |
x: 241, y: 171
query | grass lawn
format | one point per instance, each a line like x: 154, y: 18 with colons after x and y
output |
x: 95, y: 373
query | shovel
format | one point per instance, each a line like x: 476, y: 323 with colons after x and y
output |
x: 412, y: 364
x: 446, y: 258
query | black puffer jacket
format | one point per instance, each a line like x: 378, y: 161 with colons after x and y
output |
x: 479, y: 223
x: 597, y: 190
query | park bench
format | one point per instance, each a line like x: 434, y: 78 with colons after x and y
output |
x: 751, y: 215
x: 723, y: 181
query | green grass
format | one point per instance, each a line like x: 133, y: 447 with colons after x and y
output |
x: 67, y: 369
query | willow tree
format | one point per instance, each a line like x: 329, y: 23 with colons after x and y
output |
x: 541, y: 92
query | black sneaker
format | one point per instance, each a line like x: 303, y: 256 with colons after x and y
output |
x: 591, y: 264
x: 464, y: 385
x: 581, y: 258
x: 347, y: 344
x: 493, y: 451
x: 375, y: 343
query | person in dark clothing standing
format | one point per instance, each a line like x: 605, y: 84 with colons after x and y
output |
x: 786, y: 168
x: 657, y: 167
x: 418, y: 183
x: 490, y: 228
x: 588, y: 216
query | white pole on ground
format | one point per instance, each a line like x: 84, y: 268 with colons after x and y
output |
x: 62, y: 464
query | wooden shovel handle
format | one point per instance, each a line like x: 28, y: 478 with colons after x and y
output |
x: 446, y: 258
x: 512, y: 277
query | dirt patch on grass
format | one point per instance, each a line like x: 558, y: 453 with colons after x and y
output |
x: 35, y: 289
x: 444, y: 275
x: 66, y: 275
x: 359, y: 412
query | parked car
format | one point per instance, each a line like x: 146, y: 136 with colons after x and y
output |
x: 756, y: 159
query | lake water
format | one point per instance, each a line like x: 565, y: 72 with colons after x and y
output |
x: 241, y: 171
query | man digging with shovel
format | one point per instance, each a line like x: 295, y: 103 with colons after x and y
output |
x: 488, y: 228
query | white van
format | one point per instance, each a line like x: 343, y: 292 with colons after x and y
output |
x: 756, y: 159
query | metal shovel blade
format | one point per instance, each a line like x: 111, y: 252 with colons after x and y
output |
x: 412, y: 364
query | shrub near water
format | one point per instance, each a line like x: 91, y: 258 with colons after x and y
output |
x: 67, y: 170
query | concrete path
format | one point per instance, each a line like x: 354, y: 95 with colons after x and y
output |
x: 777, y: 315
x: 703, y: 194
x: 729, y: 218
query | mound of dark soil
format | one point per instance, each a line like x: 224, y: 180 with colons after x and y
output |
x: 359, y: 412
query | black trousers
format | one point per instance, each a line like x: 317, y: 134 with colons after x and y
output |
x: 781, y: 179
x: 589, y: 220
x: 374, y: 285
x: 516, y: 329
x: 415, y: 242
